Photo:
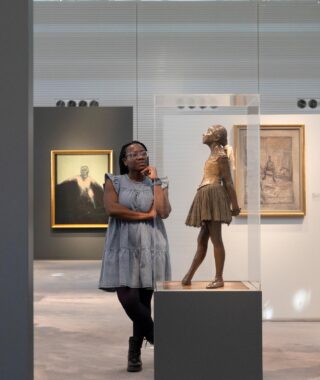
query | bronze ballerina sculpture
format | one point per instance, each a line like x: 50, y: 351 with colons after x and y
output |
x: 211, y: 205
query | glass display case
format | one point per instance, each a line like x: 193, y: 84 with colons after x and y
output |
x: 179, y: 154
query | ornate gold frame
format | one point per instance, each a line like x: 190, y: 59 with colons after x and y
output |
x: 302, y: 201
x: 54, y: 154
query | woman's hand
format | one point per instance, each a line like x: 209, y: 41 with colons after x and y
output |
x: 150, y: 171
x: 152, y: 213
x: 161, y: 206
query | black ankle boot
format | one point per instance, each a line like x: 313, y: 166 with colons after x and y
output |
x: 134, y: 360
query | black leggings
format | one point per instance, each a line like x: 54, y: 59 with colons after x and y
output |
x: 137, y: 305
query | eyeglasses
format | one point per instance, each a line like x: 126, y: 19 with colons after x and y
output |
x: 134, y: 155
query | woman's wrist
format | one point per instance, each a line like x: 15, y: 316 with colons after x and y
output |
x: 156, y: 181
x: 163, y: 182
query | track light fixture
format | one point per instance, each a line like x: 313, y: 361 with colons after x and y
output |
x: 311, y: 103
x: 192, y: 107
x: 194, y: 103
x: 301, y: 103
x: 72, y: 103
x: 60, y: 103
x: 79, y: 103
x: 82, y: 103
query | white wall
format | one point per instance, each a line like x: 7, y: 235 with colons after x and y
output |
x: 291, y: 246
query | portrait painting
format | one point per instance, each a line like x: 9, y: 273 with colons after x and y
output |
x: 77, y: 187
x: 282, y: 181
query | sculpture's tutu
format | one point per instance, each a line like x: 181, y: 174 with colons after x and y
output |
x: 211, y: 203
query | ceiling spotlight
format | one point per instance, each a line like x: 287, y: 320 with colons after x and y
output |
x: 82, y: 103
x: 71, y: 103
x: 312, y: 103
x: 301, y: 103
x: 60, y: 103
x: 192, y: 107
x: 203, y: 107
x: 180, y: 104
x: 213, y: 107
x: 93, y: 103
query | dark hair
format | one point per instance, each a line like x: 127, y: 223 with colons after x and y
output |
x: 123, y: 152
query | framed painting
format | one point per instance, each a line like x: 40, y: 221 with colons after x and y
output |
x: 282, y: 169
x: 77, y: 181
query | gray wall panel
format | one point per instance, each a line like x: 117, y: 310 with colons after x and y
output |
x: 208, y: 335
x: 72, y: 128
x: 16, y: 222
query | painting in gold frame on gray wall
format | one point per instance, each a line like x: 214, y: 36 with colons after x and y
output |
x: 77, y: 180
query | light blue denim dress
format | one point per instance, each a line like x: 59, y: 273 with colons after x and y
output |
x: 136, y: 253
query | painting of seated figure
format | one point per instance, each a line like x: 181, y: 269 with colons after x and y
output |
x: 77, y: 180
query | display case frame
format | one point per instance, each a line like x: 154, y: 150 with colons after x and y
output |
x: 177, y: 145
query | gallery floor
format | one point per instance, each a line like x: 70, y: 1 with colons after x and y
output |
x: 81, y: 332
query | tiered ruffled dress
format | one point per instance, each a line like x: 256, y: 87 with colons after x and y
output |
x: 211, y: 202
x: 136, y: 253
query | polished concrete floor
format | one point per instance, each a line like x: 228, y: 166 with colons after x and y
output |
x: 81, y: 332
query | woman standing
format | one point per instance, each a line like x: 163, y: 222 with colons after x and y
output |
x: 136, y: 251
x: 211, y: 205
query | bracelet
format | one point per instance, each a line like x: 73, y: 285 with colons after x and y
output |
x: 236, y: 209
x: 163, y: 182
x: 157, y: 181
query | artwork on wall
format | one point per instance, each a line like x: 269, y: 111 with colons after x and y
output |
x: 77, y: 180
x: 282, y: 169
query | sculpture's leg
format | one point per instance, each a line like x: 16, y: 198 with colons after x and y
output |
x: 201, y: 252
x: 214, y: 229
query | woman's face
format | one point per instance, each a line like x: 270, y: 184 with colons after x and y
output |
x: 136, y: 157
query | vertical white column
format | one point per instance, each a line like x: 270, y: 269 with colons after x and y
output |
x: 253, y: 191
